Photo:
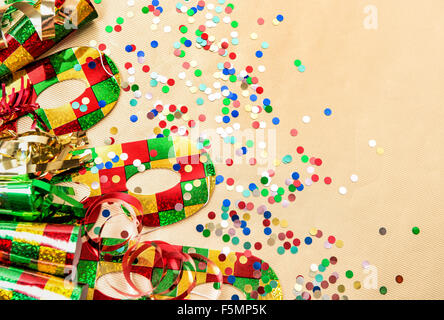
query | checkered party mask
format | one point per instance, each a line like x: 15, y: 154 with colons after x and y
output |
x: 95, y: 69
x: 112, y: 166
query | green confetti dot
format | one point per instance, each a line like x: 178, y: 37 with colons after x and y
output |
x: 225, y: 110
x: 383, y: 290
x: 281, y: 250
x: 325, y: 262
x: 109, y: 29
x: 119, y: 20
x: 165, y: 89
x: 145, y: 10
x: 206, y: 233
x: 97, y: 1
x: 198, y: 73
x: 264, y: 180
x: 349, y: 274
x: 249, y: 143
x: 415, y: 230
x: 226, y: 238
x: 304, y: 159
x: 226, y: 102
x: 233, y: 78
x: 247, y: 245
x: 297, y: 63
x: 264, y: 192
x: 183, y: 29
x: 234, y: 24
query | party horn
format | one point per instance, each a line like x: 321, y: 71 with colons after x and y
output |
x: 18, y: 284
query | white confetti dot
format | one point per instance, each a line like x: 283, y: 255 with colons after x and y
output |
x: 306, y: 119
x: 372, y: 143
x: 342, y: 190
x: 354, y: 178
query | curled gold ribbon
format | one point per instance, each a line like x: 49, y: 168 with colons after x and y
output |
x: 40, y: 153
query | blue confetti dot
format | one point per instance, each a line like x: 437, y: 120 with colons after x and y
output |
x: 295, y: 175
x: 246, y: 231
x: 154, y: 44
x: 129, y: 48
x: 106, y: 213
x: 92, y: 65
x: 235, y: 113
x: 108, y: 165
x: 102, y: 103
x: 219, y: 179
x: 226, y: 119
x: 252, y: 186
x: 134, y: 118
x: 327, y: 112
x: 176, y: 167
x: 199, y: 228
x: 234, y: 297
x: 276, y: 121
x: 259, y: 54
x: 280, y: 18
x: 231, y: 279
x: 256, y: 265
x: 226, y: 203
x: 141, y: 54
x: 267, y: 214
x: 267, y: 231
x: 308, y: 240
x: 267, y: 102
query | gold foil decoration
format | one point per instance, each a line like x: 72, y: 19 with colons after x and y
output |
x: 42, y: 16
x: 40, y: 152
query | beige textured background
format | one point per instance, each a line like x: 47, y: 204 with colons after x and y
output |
x: 383, y: 84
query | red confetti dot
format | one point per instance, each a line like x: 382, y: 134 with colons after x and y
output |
x: 318, y: 162
x: 232, y: 56
x: 171, y: 82
x: 127, y: 65
x: 222, y: 257
x: 211, y: 215
x: 184, y: 109
x: 249, y: 69
x: 230, y: 181
x: 287, y: 245
x: 153, y: 153
x: 229, y: 162
x: 202, y: 118
x: 117, y: 28
x: 146, y: 68
x: 300, y: 150
x: 296, y: 242
x: 327, y: 180
x: 102, y: 47
x: 252, y: 161
x: 331, y: 239
x: 260, y: 21
x: 315, y: 178
x: 258, y: 246
x: 260, y: 90
x: 266, y: 222
x: 250, y: 206
x: 241, y: 205
x: 289, y: 234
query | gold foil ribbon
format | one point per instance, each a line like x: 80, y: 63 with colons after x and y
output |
x: 39, y: 152
x: 42, y: 16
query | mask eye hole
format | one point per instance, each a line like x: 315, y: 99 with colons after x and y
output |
x: 61, y: 93
x: 153, y: 181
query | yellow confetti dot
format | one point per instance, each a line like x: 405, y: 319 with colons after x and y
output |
x: 248, y: 108
x: 197, y: 183
x: 113, y: 130
x: 339, y: 243
x: 157, y: 130
x: 115, y: 179
x: 313, y: 231
x: 203, y: 159
x: 284, y: 223
x: 246, y: 217
x: 380, y: 151
x: 277, y: 162
x: 248, y: 288
x: 243, y: 259
x: 188, y: 168
x: 341, y: 288
x: 275, y: 221
x: 357, y: 285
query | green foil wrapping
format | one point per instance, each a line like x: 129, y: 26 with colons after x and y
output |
x: 32, y: 200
